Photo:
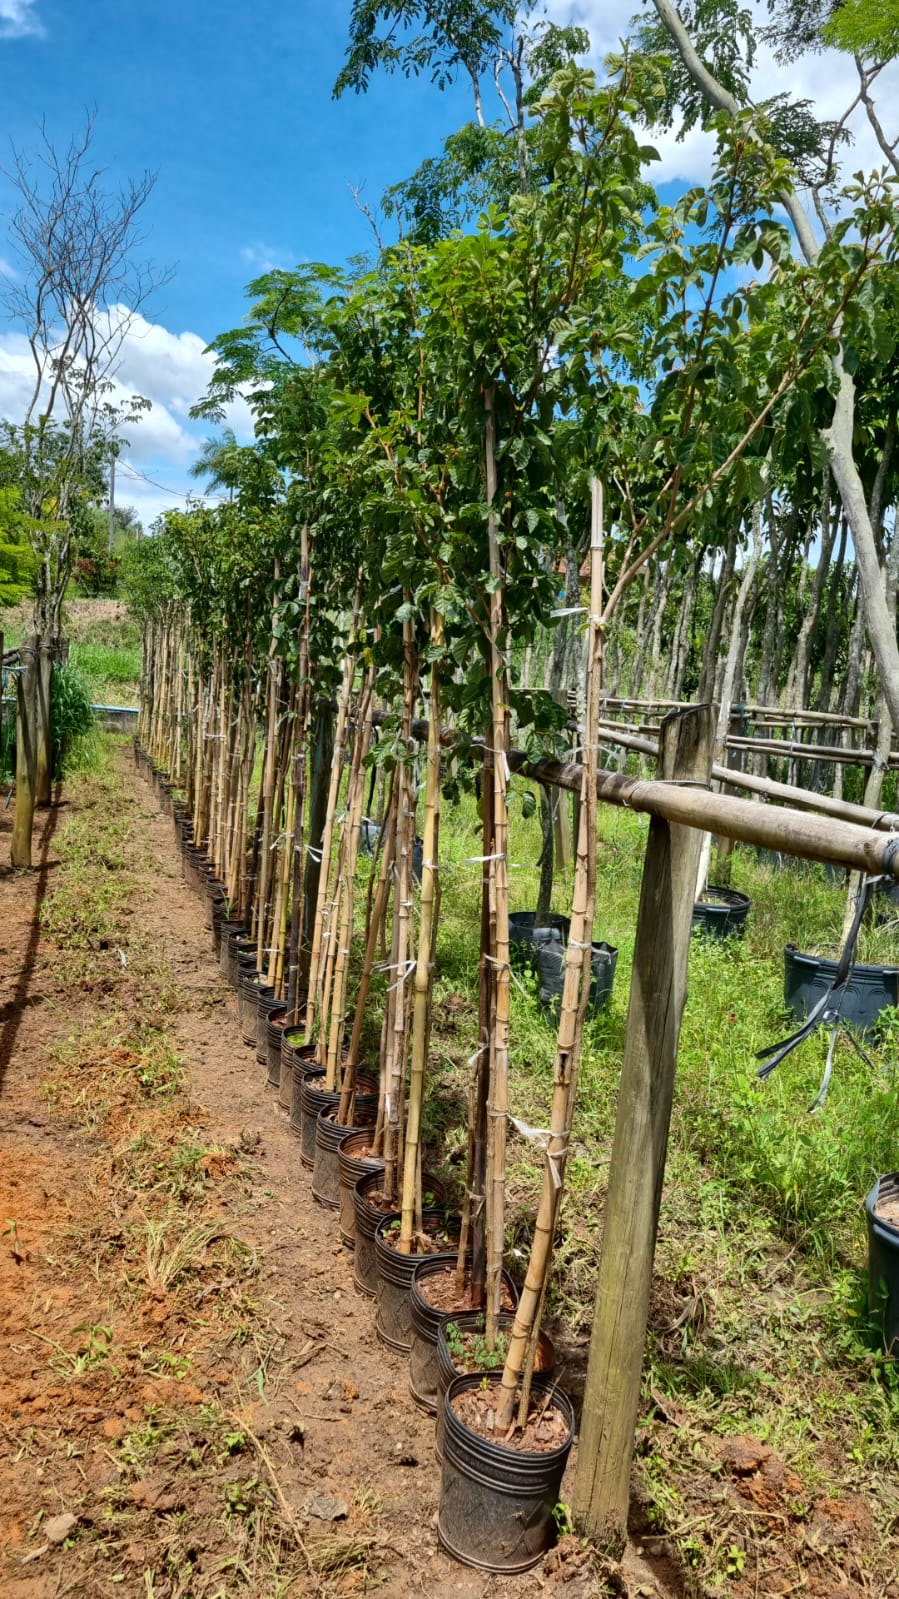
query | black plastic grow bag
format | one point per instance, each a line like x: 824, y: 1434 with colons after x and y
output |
x: 868, y: 991
x: 883, y: 1262
x: 726, y: 919
x: 550, y: 952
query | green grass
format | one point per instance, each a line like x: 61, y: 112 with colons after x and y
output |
x: 759, y: 1322
x: 112, y: 671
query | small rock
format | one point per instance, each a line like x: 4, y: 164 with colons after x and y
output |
x: 325, y: 1509
x: 57, y: 1529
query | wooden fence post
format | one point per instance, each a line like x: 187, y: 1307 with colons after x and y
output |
x: 658, y: 993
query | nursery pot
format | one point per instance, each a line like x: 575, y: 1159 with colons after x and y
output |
x: 352, y: 1165
x: 869, y: 990
x: 524, y: 931
x: 474, y: 1321
x: 550, y: 960
x: 291, y: 1037
x: 367, y: 1220
x: 393, y: 1321
x: 247, y: 989
x: 883, y: 1260
x: 302, y: 1062
x: 266, y: 1005
x: 496, y: 1502
x: 314, y: 1098
x: 329, y: 1135
x: 726, y: 917
x: 426, y: 1323
x: 274, y: 1032
x: 229, y: 931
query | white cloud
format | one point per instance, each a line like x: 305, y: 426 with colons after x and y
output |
x: 828, y: 80
x: 18, y: 19
x: 264, y: 257
x: 172, y: 371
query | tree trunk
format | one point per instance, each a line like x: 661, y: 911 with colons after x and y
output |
x: 23, y: 816
x: 43, y: 731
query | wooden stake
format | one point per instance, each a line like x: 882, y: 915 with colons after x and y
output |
x: 658, y: 994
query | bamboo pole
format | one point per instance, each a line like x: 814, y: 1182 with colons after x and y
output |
x: 423, y: 979
x: 343, y: 706
x: 376, y: 920
x: 354, y: 801
x: 658, y: 994
x: 498, y: 1091
x: 575, y: 997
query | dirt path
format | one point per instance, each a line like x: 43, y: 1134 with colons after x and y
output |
x: 190, y: 1387
x: 188, y: 1381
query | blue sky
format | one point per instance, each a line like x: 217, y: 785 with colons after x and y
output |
x: 231, y: 105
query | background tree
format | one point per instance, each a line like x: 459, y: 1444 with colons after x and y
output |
x: 77, y: 290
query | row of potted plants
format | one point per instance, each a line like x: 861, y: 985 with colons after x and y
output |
x: 498, y: 1493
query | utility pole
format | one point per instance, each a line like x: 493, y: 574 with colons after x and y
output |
x: 112, y: 504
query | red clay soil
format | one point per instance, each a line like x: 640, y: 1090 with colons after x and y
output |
x: 199, y: 1437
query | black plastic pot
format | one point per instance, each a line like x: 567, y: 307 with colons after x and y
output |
x: 496, y: 1503
x: 329, y: 1135
x: 212, y: 893
x: 368, y: 1218
x: 302, y: 1061
x: 274, y: 1032
x: 351, y: 1166
x: 550, y: 958
x: 474, y: 1321
x: 247, y: 991
x: 230, y: 933
x: 883, y: 1262
x: 869, y: 990
x: 393, y: 1321
x: 314, y: 1099
x: 266, y: 1006
x: 524, y: 931
x: 274, y: 1027
x: 724, y: 919
x: 426, y: 1323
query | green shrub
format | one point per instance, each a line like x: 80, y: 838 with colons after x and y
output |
x: 73, y: 724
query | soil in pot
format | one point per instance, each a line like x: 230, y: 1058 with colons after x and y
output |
x: 315, y: 1098
x: 435, y: 1301
x: 869, y: 990
x: 721, y: 913
x: 462, y: 1350
x: 329, y: 1135
x: 370, y: 1208
x: 497, y: 1498
x: 439, y: 1236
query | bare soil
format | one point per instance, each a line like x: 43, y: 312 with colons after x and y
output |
x: 193, y: 1401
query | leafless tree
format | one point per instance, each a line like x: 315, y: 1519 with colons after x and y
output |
x: 78, y: 287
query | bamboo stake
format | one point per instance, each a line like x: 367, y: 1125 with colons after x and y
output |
x: 395, y: 1062
x: 347, y: 1098
x: 343, y: 705
x: 498, y: 1093
x: 575, y: 997
x: 423, y: 979
x: 355, y: 800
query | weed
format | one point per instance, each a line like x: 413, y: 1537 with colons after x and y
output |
x: 172, y: 1249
